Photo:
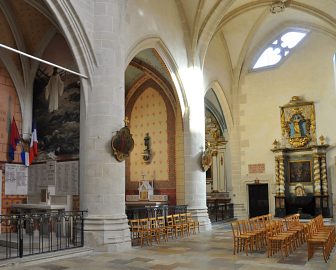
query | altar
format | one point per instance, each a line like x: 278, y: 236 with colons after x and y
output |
x: 146, y: 196
x: 300, y: 163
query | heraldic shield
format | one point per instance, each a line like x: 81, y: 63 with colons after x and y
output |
x: 122, y: 144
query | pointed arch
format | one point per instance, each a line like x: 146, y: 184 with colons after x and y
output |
x: 223, y: 101
x: 157, y: 44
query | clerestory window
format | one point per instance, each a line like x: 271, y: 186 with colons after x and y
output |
x: 279, y: 49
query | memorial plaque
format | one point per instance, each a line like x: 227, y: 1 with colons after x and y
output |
x: 16, y: 179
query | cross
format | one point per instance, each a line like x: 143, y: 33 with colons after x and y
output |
x: 126, y: 121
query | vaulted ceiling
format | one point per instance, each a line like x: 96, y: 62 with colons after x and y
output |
x: 27, y: 26
x: 242, y: 25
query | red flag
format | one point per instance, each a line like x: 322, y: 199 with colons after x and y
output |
x: 14, y: 139
x: 33, y: 144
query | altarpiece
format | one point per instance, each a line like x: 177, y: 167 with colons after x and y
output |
x: 300, y: 163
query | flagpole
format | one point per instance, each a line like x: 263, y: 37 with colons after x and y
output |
x: 43, y: 61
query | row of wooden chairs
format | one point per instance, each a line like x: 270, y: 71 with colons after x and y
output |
x: 262, y: 232
x: 320, y: 236
x: 162, y: 227
x: 250, y: 235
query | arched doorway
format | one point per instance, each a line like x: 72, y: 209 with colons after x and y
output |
x: 152, y: 106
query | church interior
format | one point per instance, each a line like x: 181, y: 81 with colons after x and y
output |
x: 111, y: 109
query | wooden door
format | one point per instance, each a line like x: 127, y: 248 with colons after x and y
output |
x: 258, y: 199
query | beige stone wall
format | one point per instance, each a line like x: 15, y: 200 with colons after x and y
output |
x: 309, y: 73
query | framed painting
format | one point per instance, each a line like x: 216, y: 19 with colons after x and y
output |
x: 300, y: 171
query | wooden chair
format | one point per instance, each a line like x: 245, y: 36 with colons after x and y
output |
x: 240, y: 241
x: 170, y: 226
x: 153, y: 229
x: 135, y: 229
x: 184, y: 224
x: 145, y: 231
x: 177, y: 224
x: 278, y: 240
x: 320, y: 236
x: 192, y: 224
x: 259, y: 230
x: 161, y: 230
x: 173, y: 229
x: 245, y: 229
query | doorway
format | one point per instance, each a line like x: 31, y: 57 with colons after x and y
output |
x: 258, y: 200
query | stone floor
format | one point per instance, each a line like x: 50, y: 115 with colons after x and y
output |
x: 208, y: 250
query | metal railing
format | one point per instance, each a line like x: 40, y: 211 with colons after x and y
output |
x: 36, y: 233
x: 155, y: 211
x: 220, y: 212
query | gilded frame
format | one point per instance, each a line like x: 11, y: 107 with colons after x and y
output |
x: 298, y: 123
x: 300, y: 171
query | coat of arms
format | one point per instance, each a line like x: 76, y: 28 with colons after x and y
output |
x: 122, y: 143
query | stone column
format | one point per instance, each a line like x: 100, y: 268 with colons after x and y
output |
x: 317, y: 176
x: 103, y: 178
x: 324, y: 176
x: 194, y: 144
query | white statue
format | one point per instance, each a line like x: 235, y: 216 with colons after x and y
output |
x: 54, y: 89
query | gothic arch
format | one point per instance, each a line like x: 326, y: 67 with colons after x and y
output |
x: 157, y: 44
x: 223, y: 101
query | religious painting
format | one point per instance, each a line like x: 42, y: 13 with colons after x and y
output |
x: 298, y: 122
x: 300, y: 171
x: 122, y: 144
x: 57, y: 122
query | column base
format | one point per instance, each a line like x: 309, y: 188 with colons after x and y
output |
x: 201, y: 215
x: 107, y: 233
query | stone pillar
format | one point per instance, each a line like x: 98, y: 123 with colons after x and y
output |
x: 195, y: 185
x: 194, y: 144
x: 317, y: 176
x: 324, y: 176
x: 103, y: 182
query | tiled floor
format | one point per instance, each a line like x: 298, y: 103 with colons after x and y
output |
x: 208, y: 250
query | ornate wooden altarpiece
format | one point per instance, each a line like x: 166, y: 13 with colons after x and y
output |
x: 300, y: 163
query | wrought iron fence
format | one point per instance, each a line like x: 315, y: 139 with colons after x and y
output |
x: 154, y: 211
x: 220, y: 211
x: 36, y: 233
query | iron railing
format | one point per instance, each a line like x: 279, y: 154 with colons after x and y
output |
x: 220, y: 211
x: 36, y: 233
x: 155, y: 211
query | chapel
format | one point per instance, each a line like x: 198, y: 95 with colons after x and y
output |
x: 109, y: 106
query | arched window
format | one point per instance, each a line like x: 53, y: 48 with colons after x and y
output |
x: 279, y: 49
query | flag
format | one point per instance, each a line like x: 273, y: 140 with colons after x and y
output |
x: 33, y: 144
x: 29, y: 152
x: 25, y: 156
x: 14, y: 139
